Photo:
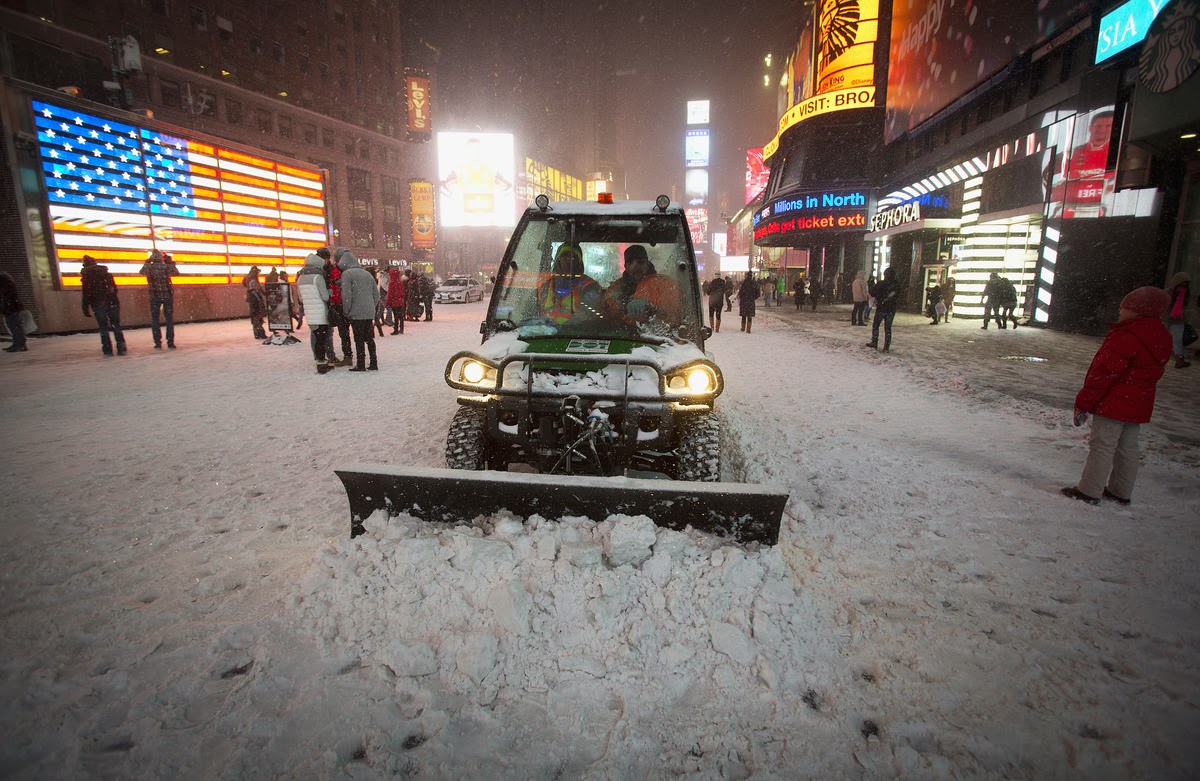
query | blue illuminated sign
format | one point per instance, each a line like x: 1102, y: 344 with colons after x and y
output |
x: 1125, y: 26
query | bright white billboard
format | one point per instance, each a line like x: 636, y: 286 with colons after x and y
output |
x: 697, y: 112
x: 475, y: 180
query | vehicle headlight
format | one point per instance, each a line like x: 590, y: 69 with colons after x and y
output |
x: 699, y: 379
x: 471, y: 373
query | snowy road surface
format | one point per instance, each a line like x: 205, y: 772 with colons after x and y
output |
x: 181, y: 599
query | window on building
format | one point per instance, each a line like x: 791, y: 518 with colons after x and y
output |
x: 164, y: 46
x: 327, y: 138
x: 323, y: 70
x: 364, y: 150
x: 224, y: 28
x: 284, y: 124
x: 278, y: 52
x: 303, y: 63
x: 358, y: 55
x: 358, y: 182
x: 161, y: 7
x: 339, y: 13
x: 348, y: 147
x: 256, y: 45
x: 233, y: 111
x: 169, y: 94
x: 264, y: 120
x: 199, y: 18
x: 309, y: 132
x: 302, y: 29
x: 201, y: 102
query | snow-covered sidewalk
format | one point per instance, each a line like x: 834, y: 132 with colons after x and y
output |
x: 181, y: 598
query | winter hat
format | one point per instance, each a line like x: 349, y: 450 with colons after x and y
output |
x: 254, y: 270
x: 1147, y: 301
x: 1179, y: 277
x: 337, y: 255
x: 88, y: 260
x: 323, y: 252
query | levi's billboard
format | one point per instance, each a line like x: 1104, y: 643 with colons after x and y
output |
x: 416, y: 89
x: 941, y: 49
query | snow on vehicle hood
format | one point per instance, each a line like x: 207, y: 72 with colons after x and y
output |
x: 642, y: 379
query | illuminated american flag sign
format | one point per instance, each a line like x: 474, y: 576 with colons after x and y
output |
x: 116, y: 191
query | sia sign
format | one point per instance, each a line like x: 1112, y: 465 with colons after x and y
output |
x: 1125, y: 26
x: 840, y: 100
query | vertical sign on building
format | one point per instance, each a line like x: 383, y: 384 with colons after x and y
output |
x: 416, y: 89
x: 696, y: 156
x: 420, y: 195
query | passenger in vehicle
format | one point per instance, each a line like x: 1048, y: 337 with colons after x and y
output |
x: 641, y: 293
x: 568, y: 290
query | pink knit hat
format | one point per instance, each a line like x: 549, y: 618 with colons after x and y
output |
x: 1147, y: 301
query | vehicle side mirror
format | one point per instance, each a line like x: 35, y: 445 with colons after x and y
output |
x: 706, y: 332
x: 483, y: 327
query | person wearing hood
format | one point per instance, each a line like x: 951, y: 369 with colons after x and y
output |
x: 360, y: 297
x: 397, y: 298
x: 1180, y: 290
x: 158, y: 270
x: 314, y: 295
x: 256, y: 301
x: 858, y: 292
x: 100, y: 296
x: 1118, y: 392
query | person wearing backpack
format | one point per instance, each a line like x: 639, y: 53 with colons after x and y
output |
x: 100, y: 296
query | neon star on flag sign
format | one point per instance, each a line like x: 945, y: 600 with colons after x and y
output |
x: 117, y: 191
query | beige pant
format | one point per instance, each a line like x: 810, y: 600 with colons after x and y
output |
x: 1113, y: 459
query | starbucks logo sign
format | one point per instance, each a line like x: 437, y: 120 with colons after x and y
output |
x: 1171, y: 53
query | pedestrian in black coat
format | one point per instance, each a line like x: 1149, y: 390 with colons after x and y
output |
x: 747, y: 292
x: 100, y: 296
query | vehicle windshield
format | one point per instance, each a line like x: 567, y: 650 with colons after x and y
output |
x: 455, y: 283
x: 600, y: 276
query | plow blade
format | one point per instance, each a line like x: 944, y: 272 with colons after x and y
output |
x: 744, y: 512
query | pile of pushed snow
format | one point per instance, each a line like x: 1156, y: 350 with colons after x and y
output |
x: 499, y: 610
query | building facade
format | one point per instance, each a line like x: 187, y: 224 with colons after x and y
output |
x: 1042, y: 153
x: 322, y: 84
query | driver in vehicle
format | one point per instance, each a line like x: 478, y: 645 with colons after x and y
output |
x: 568, y: 290
x: 641, y: 293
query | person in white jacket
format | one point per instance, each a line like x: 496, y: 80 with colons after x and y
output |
x: 314, y: 294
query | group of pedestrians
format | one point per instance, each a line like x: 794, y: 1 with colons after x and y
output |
x: 999, y: 302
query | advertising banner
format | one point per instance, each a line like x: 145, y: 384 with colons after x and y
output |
x: 420, y: 194
x: 847, y: 31
x: 695, y: 148
x: 786, y: 220
x: 279, y: 306
x: 757, y: 173
x: 697, y: 112
x: 1081, y: 183
x: 416, y: 90
x: 941, y: 50
x: 475, y: 177
x: 116, y: 190
x: 556, y: 185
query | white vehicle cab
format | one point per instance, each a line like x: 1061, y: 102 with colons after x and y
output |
x: 459, y: 290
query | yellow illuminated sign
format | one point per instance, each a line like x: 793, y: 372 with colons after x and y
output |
x: 846, y: 45
x: 841, y: 100
x: 555, y: 184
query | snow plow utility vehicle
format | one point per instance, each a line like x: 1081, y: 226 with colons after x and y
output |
x: 591, y: 393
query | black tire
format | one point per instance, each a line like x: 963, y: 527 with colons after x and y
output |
x: 466, y: 442
x: 698, y: 452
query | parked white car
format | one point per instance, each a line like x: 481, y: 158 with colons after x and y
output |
x: 458, y: 290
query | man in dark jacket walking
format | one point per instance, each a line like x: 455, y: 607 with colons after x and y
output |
x: 887, y: 295
x: 11, y: 307
x: 158, y: 270
x: 100, y: 296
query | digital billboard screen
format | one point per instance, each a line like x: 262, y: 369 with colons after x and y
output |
x: 476, y: 172
x: 117, y: 190
x: 695, y: 148
x: 697, y: 112
x: 942, y: 50
x: 846, y: 44
x: 757, y: 173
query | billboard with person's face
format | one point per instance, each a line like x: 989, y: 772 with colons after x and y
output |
x: 1081, y: 182
x: 475, y: 180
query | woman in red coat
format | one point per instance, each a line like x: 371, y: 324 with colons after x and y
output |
x: 1119, y: 394
x: 397, y: 298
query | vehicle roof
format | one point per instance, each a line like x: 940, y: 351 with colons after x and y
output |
x: 621, y: 208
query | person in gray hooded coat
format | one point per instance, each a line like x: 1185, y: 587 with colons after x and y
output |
x: 314, y: 295
x: 360, y: 296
